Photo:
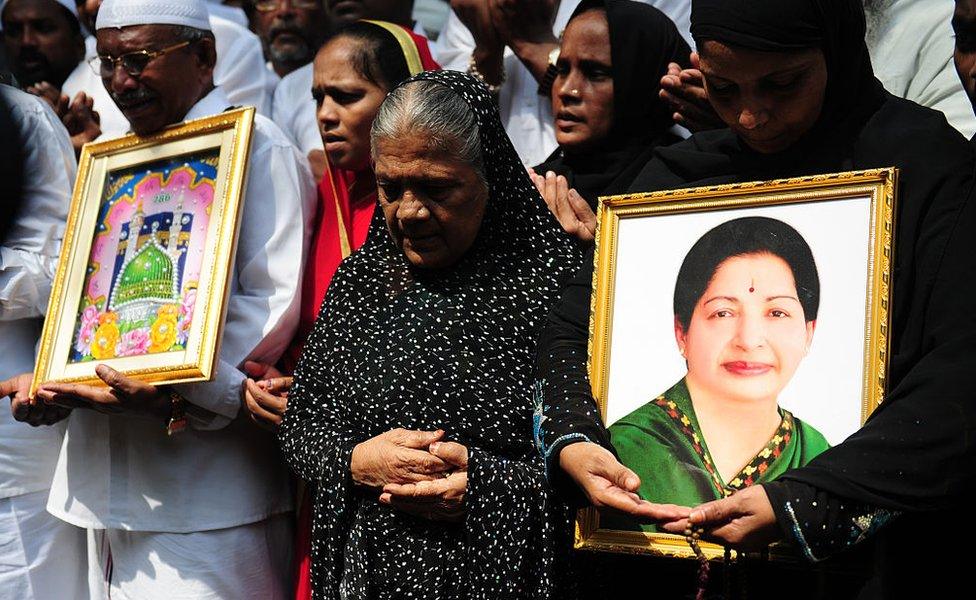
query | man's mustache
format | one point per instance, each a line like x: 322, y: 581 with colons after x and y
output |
x: 136, y: 96
x: 278, y: 28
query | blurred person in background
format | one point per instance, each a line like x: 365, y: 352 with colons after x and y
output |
x: 512, y: 46
x: 41, y: 556
x: 911, y: 47
x: 609, y: 118
x: 291, y: 31
x: 42, y: 40
x: 44, y: 43
x: 294, y: 109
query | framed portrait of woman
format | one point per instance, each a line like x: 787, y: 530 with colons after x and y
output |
x: 146, y: 260
x: 737, y: 331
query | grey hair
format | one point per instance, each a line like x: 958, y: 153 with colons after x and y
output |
x: 436, y: 111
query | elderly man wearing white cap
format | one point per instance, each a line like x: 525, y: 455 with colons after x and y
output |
x: 201, y: 514
x: 240, y: 72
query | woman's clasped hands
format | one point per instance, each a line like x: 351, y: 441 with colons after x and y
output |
x: 415, y: 472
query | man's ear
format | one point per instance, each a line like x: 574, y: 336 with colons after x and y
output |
x: 206, y: 52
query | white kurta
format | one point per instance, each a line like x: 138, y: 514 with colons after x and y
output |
x: 911, y: 44
x: 231, y: 13
x: 122, y: 472
x: 526, y: 115
x: 294, y: 110
x: 40, y: 556
x: 239, y: 71
x: 250, y: 562
x: 28, y: 259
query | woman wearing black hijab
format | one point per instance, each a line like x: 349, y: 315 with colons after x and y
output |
x: 605, y: 97
x: 793, y: 80
x: 412, y: 406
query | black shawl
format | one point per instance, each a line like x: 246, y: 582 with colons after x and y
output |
x: 917, y: 453
x: 643, y: 40
x: 451, y: 349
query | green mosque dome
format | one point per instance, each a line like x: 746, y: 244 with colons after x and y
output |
x: 149, y: 275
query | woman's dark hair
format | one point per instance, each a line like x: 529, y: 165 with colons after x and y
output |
x: 742, y: 237
x: 378, y: 58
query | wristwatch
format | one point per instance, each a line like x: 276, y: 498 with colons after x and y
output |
x: 545, y: 86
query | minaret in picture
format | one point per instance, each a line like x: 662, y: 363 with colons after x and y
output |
x: 172, y: 244
x: 135, y: 226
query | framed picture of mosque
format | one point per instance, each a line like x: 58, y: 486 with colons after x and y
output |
x: 142, y: 281
x: 755, y: 338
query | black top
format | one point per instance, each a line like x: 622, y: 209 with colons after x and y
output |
x: 643, y: 41
x: 915, y: 455
x: 449, y: 349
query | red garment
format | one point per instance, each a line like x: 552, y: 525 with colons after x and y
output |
x: 325, y: 250
x: 342, y: 189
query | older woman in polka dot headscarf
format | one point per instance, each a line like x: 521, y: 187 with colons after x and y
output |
x: 412, y: 407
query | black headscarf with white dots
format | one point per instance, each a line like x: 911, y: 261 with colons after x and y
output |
x: 450, y: 350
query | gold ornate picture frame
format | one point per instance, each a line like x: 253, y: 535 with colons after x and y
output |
x: 145, y: 267
x: 648, y: 247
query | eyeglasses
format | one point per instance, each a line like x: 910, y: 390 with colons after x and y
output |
x: 133, y: 63
x: 270, y: 5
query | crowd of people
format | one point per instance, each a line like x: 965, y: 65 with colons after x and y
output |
x: 401, y: 406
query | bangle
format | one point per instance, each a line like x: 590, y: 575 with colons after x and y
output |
x: 176, y: 422
x: 473, y: 70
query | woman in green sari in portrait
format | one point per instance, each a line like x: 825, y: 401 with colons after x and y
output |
x: 745, y: 310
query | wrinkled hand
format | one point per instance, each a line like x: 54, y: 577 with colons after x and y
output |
x: 25, y: 409
x: 518, y: 21
x: 123, y: 396
x: 610, y: 485
x: 397, y: 456
x: 745, y: 520
x: 684, y: 91
x: 437, y: 499
x: 570, y: 209
x: 81, y: 120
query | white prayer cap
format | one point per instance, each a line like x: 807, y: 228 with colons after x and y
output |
x: 68, y: 4
x: 123, y: 13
